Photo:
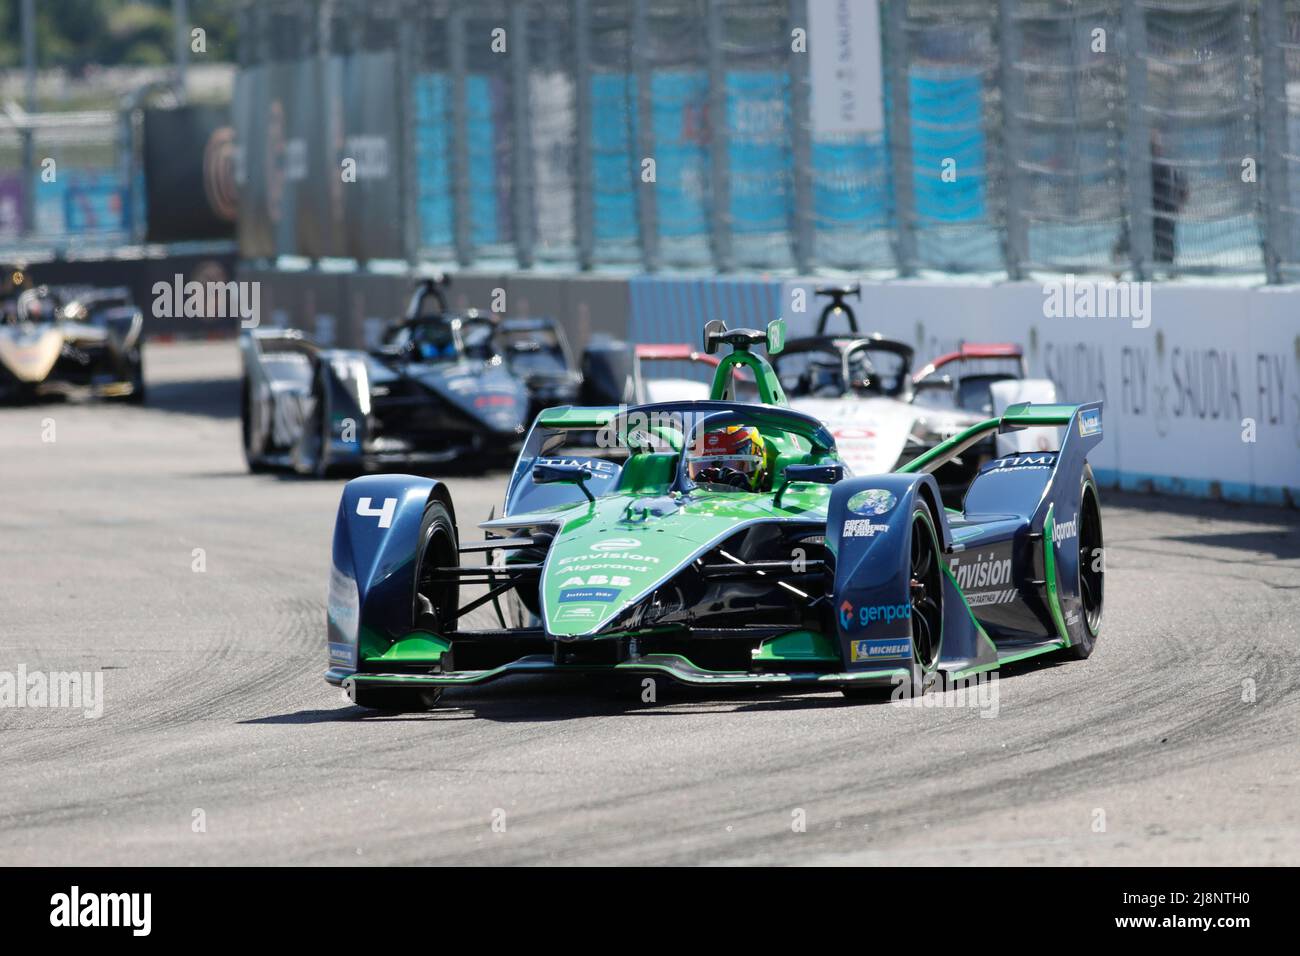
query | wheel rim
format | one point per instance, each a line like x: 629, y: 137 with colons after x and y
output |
x: 925, y: 593
x: 1092, y: 567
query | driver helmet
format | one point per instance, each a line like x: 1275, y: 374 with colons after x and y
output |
x: 37, y: 305
x: 431, y: 350
x: 734, y: 457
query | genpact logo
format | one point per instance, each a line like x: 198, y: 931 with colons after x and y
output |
x: 846, y: 615
x: 870, y: 614
x: 616, y: 544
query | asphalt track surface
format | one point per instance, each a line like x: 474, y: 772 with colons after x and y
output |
x: 215, y: 711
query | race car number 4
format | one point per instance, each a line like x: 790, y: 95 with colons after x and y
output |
x: 384, y: 513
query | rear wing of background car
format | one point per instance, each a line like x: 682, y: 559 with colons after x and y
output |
x: 678, y: 352
x: 974, y: 351
x: 257, y: 344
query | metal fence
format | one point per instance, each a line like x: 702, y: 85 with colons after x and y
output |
x: 1144, y: 137
x: 66, y: 179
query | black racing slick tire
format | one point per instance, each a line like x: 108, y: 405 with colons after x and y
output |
x: 1092, y: 567
x: 255, y: 465
x: 312, y: 457
x: 437, y: 595
x: 137, y: 395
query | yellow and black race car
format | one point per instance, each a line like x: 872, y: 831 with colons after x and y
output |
x: 68, y: 341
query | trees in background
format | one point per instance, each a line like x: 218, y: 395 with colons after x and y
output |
x: 76, y: 34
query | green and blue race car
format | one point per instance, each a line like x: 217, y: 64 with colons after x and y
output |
x: 721, y: 542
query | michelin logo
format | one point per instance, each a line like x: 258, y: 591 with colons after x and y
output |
x: 880, y: 650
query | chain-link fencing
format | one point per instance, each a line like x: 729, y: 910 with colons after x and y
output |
x: 1142, y: 137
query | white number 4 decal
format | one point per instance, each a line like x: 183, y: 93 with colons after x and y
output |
x: 384, y: 513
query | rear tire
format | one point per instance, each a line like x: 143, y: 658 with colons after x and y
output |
x: 312, y: 454
x: 137, y: 396
x: 1092, y: 568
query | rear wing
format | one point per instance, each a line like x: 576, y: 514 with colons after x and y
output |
x: 265, y: 352
x: 578, y: 417
x: 681, y: 352
x: 972, y: 352
x: 1083, y: 421
x: 676, y: 352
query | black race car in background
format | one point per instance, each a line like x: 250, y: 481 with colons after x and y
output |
x: 536, y: 350
x: 69, y: 341
x: 440, y: 386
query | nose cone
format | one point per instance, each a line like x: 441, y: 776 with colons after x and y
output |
x: 590, y: 578
x: 29, y: 353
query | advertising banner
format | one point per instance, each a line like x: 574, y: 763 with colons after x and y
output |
x: 189, y: 174
x: 844, y: 60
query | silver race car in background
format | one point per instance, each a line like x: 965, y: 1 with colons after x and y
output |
x: 438, y: 387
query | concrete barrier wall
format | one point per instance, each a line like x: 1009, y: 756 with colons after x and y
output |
x: 142, y: 276
x: 1204, y: 400
x: 350, y: 310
